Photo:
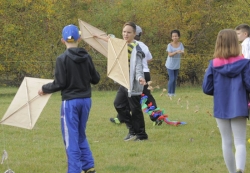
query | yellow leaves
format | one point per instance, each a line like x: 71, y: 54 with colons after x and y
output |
x: 87, y: 1
x: 38, y: 8
x: 28, y: 27
x: 11, y: 29
x: 1, y: 12
x: 50, y: 7
x: 1, y: 68
x: 27, y: 1
x: 49, y: 2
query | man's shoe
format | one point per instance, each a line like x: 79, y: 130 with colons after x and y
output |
x: 115, y: 120
x: 129, y: 137
x: 239, y: 171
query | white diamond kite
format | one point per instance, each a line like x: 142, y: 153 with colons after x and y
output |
x: 27, y: 105
x: 115, y: 50
x: 87, y: 31
x: 118, y: 67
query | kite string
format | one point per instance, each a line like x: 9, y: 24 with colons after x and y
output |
x: 4, y: 145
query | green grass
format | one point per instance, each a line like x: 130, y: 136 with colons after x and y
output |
x: 191, y: 148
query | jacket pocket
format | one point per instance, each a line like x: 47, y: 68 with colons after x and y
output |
x: 137, y: 87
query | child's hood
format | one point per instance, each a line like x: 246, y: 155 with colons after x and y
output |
x: 230, y: 67
x: 77, y: 54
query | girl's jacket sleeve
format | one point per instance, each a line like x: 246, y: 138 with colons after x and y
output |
x: 208, y: 83
x: 246, y: 77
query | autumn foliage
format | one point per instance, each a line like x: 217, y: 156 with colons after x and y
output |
x: 30, y: 33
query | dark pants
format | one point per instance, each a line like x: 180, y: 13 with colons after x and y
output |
x: 134, y: 121
x: 146, y: 92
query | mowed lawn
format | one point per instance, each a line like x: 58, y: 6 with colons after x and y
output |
x: 191, y: 148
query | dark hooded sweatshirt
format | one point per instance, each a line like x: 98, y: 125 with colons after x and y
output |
x: 74, y: 74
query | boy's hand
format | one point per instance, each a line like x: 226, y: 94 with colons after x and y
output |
x: 95, y: 35
x: 142, y: 81
x: 40, y: 92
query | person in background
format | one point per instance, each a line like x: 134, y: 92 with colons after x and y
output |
x: 127, y: 104
x: 135, y: 122
x: 145, y: 61
x: 227, y: 79
x: 74, y: 73
x: 243, y: 33
x: 174, y: 49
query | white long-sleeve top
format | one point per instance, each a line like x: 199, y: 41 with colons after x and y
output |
x: 246, y: 48
x: 148, y: 56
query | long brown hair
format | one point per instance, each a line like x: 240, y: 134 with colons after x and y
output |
x: 226, y: 44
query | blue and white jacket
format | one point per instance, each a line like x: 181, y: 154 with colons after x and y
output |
x: 228, y: 80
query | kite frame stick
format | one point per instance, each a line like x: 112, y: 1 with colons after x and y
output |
x: 20, y: 108
x: 91, y: 34
x: 29, y: 114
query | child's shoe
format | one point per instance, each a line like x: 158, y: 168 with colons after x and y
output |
x: 91, y: 170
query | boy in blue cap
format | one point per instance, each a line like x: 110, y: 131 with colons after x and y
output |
x: 74, y: 74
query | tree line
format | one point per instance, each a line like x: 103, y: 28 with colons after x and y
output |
x: 30, y: 33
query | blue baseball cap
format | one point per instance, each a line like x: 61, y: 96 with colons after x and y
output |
x: 70, y: 33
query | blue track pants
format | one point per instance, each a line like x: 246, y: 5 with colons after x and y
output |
x: 74, y: 117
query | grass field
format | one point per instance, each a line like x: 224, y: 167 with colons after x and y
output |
x: 191, y: 148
